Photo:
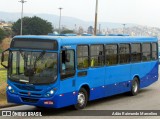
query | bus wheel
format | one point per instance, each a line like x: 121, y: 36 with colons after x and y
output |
x: 82, y: 99
x: 135, y: 87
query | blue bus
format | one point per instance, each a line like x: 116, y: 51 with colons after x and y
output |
x: 58, y: 71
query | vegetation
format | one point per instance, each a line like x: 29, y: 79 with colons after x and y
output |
x: 2, y: 34
x: 32, y: 26
x: 67, y: 31
x: 5, y: 43
x: 3, y: 84
x: 5, y: 37
x: 2, y: 76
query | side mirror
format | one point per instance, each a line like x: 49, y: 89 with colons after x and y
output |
x: 4, y: 58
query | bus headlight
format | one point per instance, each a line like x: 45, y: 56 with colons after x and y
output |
x: 49, y: 93
x: 10, y: 89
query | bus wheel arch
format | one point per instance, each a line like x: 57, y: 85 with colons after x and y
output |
x: 87, y: 88
x: 135, y: 86
x: 138, y: 79
x: 82, y: 97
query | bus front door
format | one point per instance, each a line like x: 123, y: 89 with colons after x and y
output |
x: 67, y: 75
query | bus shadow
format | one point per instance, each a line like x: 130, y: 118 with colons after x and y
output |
x: 116, y: 97
x: 70, y: 111
x: 66, y: 111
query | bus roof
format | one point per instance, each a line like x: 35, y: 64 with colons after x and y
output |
x: 71, y: 40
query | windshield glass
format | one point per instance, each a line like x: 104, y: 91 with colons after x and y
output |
x: 33, y: 67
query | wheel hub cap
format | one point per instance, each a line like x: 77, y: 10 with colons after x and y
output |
x: 135, y: 87
x: 81, y: 99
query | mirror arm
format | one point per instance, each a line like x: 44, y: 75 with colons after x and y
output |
x: 4, y: 65
x: 2, y: 58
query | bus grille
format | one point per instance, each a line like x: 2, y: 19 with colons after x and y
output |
x: 29, y: 100
x: 28, y: 88
x: 31, y: 94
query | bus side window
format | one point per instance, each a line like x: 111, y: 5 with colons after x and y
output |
x: 97, y: 55
x: 111, y: 54
x: 146, y: 52
x: 67, y: 64
x: 154, y: 51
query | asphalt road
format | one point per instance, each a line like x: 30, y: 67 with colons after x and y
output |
x: 147, y: 99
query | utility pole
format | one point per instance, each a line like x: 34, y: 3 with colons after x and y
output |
x: 99, y: 28
x: 75, y: 28
x: 124, y: 28
x: 60, y: 20
x: 96, y: 14
x: 22, y: 1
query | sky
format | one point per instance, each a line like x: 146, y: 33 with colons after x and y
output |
x: 142, y: 12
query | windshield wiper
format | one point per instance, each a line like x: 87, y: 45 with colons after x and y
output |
x: 31, y: 71
x: 39, y: 57
x: 23, y: 55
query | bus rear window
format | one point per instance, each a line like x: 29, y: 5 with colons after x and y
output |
x: 29, y: 43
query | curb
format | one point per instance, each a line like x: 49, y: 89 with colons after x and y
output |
x: 8, y: 105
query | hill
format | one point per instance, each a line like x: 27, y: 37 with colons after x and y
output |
x: 69, y: 22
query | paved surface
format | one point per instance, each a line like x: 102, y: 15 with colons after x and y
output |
x: 147, y: 99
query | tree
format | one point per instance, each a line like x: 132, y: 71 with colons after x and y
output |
x: 67, y: 31
x: 2, y: 34
x: 32, y: 26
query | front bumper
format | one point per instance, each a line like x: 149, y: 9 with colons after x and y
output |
x: 58, y: 100
x: 13, y: 98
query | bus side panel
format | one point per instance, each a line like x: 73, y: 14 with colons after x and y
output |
x: 65, y: 99
x: 117, y: 79
x: 149, y: 71
x: 66, y: 94
x: 146, y: 71
x: 96, y: 78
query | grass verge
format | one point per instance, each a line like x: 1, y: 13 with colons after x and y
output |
x: 3, y: 85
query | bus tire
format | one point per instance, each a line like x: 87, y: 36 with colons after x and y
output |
x: 134, y: 87
x: 82, y: 99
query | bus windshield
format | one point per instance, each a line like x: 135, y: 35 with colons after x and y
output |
x: 33, y: 67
